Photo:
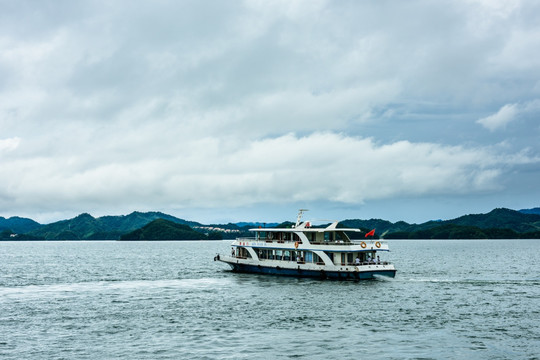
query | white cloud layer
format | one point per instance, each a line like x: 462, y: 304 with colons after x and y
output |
x: 211, y: 172
x: 230, y: 105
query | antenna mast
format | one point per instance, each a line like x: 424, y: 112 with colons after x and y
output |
x: 299, y: 218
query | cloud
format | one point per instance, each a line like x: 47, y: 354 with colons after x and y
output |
x: 510, y: 113
x: 499, y: 120
x: 9, y: 144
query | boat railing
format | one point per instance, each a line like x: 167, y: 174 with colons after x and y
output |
x: 367, y: 263
x: 331, y: 243
x: 302, y: 261
x: 278, y: 241
x: 369, y: 242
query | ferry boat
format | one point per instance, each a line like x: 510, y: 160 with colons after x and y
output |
x: 309, y: 251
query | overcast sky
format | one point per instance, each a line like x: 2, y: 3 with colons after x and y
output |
x: 218, y: 111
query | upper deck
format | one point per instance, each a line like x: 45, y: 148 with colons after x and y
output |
x: 303, y: 236
x: 306, y: 234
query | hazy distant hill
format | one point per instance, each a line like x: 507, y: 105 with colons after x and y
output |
x: 531, y: 211
x: 18, y: 225
x: 162, y: 229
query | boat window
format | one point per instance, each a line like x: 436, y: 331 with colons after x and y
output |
x: 242, y: 253
x: 328, y: 236
x: 263, y: 254
x: 341, y: 236
x: 287, y: 255
x: 309, y: 256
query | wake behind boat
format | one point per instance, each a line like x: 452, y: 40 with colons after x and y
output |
x: 306, y: 251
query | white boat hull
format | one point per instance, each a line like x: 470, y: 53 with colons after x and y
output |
x: 298, y: 269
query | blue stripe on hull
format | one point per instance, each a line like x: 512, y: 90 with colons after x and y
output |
x: 321, y: 274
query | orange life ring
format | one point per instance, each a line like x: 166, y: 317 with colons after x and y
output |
x: 296, y: 245
x: 363, y: 245
x: 378, y: 244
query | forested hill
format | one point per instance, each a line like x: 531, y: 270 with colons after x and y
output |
x: 18, y: 224
x: 86, y: 227
x: 162, y: 229
x: 497, y: 224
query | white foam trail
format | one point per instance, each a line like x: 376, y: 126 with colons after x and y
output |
x: 98, y: 286
x: 434, y: 280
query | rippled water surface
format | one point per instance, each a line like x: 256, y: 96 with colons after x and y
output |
x: 169, y: 300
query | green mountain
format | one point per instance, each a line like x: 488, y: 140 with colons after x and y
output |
x: 502, y: 219
x: 162, y: 229
x: 497, y: 224
x: 82, y: 227
x: 137, y: 220
x: 18, y: 225
x: 86, y: 227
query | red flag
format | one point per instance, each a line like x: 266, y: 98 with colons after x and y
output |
x: 371, y: 233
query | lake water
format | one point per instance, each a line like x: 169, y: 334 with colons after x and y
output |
x: 169, y: 300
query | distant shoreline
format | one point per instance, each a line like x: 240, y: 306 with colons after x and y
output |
x: 501, y: 223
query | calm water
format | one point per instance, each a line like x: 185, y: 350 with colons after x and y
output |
x: 169, y: 300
